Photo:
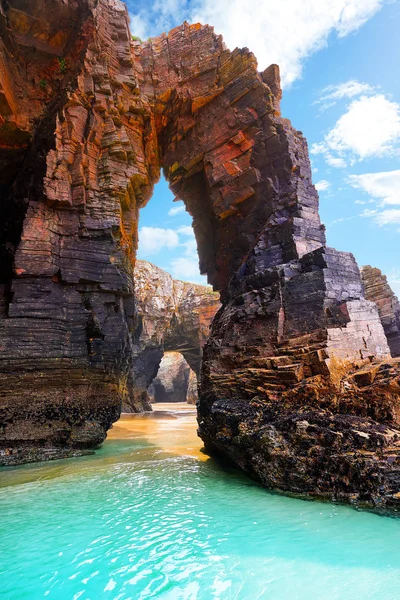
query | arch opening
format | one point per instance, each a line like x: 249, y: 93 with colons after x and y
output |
x: 175, y: 381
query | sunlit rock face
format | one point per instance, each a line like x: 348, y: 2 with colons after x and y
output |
x: 172, y: 380
x: 287, y: 387
x: 378, y: 290
x: 172, y: 315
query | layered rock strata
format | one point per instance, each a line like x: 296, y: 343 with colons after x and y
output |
x: 378, y: 290
x: 172, y: 315
x: 285, y: 387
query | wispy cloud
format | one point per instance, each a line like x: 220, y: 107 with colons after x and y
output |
x: 154, y: 239
x: 175, y: 210
x: 330, y: 95
x: 322, y: 185
x: 394, y: 281
x: 383, y: 186
x: 389, y: 216
x: 384, y: 190
x: 370, y: 127
x: 186, y: 230
x: 341, y: 220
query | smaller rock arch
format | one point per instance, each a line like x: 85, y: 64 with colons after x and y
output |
x: 171, y: 315
x: 175, y: 381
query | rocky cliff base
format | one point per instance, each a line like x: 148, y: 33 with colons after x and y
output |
x: 337, y: 442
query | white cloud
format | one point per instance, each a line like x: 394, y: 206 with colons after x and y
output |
x: 369, y: 127
x: 332, y: 161
x: 384, y: 186
x: 175, y: 210
x: 185, y: 268
x: 284, y: 32
x: 154, y: 239
x: 331, y: 94
x: 138, y: 26
x: 186, y: 230
x: 341, y: 220
x: 322, y: 185
x: 389, y: 216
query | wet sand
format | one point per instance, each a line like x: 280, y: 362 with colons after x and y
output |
x: 170, y: 426
x: 168, y: 431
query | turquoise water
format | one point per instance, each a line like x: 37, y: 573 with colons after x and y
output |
x: 139, y: 521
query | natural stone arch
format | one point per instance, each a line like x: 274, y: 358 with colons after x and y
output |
x: 108, y: 122
x: 172, y: 315
x: 175, y: 381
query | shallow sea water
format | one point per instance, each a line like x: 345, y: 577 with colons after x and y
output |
x: 150, y: 516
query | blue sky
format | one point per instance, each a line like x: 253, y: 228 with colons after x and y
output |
x: 339, y: 63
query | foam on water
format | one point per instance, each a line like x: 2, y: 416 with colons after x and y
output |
x: 149, y: 516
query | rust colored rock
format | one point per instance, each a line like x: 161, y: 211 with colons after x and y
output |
x: 378, y: 290
x: 114, y: 113
x: 68, y: 220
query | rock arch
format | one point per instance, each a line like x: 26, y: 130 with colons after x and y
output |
x: 121, y: 111
x: 175, y: 381
x: 172, y: 315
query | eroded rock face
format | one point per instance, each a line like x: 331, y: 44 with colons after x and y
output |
x: 114, y: 114
x: 378, y: 290
x: 192, y: 394
x: 172, y: 380
x: 172, y: 315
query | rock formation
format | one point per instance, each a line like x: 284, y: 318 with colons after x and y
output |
x: 192, y: 394
x: 88, y: 119
x: 378, y: 290
x: 172, y: 315
x: 172, y: 379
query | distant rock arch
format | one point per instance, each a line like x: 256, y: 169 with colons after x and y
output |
x: 171, y: 315
x: 175, y: 381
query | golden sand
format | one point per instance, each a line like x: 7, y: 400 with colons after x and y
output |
x: 168, y: 431
x: 171, y: 426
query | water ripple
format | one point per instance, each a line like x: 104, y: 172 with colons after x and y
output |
x: 148, y: 525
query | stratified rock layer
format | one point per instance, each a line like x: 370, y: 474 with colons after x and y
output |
x: 378, y: 290
x: 280, y: 392
x: 172, y: 315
